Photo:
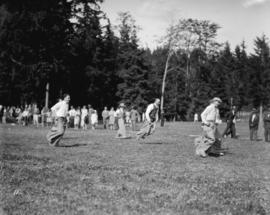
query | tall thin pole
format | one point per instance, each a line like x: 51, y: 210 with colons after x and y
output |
x: 163, y: 90
x: 47, y: 95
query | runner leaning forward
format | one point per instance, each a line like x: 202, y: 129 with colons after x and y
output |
x: 151, y: 118
x: 61, y: 111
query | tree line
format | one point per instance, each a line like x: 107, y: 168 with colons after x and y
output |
x: 73, y: 46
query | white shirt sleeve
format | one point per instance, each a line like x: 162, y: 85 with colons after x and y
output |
x: 148, y: 111
x: 56, y: 106
x: 205, y: 113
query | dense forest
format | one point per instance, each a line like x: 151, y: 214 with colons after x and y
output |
x: 72, y: 47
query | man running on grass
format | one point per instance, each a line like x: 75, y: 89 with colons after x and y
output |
x: 151, y: 118
x: 61, y: 110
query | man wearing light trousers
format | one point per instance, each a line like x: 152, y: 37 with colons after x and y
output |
x: 151, y: 118
x: 211, y: 139
x: 61, y: 110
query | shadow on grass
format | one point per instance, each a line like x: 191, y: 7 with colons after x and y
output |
x: 155, y: 143
x: 73, y: 145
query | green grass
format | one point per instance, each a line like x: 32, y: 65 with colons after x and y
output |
x: 97, y: 174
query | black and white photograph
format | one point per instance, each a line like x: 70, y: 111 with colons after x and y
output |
x: 134, y: 107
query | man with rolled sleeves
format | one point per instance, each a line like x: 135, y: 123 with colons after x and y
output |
x: 211, y: 137
x: 61, y: 111
x: 266, y: 120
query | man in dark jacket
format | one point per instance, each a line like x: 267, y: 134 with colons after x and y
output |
x: 266, y: 120
x: 254, y: 124
x: 230, y: 119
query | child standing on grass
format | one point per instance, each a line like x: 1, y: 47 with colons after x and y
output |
x: 61, y: 110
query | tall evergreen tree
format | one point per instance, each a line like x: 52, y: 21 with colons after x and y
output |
x: 133, y: 64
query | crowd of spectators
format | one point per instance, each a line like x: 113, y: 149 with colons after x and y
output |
x: 85, y: 117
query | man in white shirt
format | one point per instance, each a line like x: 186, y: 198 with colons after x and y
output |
x: 210, y: 119
x: 60, y: 110
x: 151, y: 118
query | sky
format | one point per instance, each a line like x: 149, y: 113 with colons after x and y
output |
x: 239, y: 19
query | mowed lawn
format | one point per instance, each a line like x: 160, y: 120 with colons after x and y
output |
x: 94, y: 173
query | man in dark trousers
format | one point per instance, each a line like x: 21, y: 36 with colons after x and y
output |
x: 266, y: 120
x: 230, y: 119
x: 254, y: 124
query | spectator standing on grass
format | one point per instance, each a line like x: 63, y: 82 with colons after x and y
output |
x: 49, y: 117
x: 4, y: 116
x: 44, y: 114
x: 35, y: 115
x: 105, y: 117
x: 61, y: 111
x: 151, y: 118
x: 90, y: 111
x: 72, y: 114
x: 116, y: 127
x: 127, y: 118
x: 94, y: 119
x: 121, y: 133
x: 77, y: 118
x: 134, y: 116
x: 1, y: 112
x: 266, y: 120
x: 231, y: 120
x: 84, y: 118
x: 254, y: 124
x: 196, y: 117
x: 25, y: 116
x: 111, y: 118
x: 209, y: 143
x: 19, y: 115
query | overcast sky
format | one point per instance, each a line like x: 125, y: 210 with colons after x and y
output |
x: 240, y: 19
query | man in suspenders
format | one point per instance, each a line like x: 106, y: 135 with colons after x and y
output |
x: 151, y: 118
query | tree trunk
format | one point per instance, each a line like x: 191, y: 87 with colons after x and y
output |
x: 163, y: 90
x: 47, y: 95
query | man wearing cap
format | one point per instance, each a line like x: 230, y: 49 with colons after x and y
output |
x: 254, y: 119
x: 151, y: 118
x: 210, y: 119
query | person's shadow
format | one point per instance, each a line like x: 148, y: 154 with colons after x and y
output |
x: 73, y: 145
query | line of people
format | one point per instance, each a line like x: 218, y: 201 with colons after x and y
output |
x: 77, y: 118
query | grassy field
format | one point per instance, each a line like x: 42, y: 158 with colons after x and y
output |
x: 94, y: 173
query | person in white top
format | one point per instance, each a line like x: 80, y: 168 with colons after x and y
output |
x: 120, y: 112
x: 84, y: 115
x: 151, y: 118
x: 196, y: 117
x: 209, y: 142
x: 94, y: 119
x: 60, y: 110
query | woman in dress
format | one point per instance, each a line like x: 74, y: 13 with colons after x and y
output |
x: 121, y: 133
